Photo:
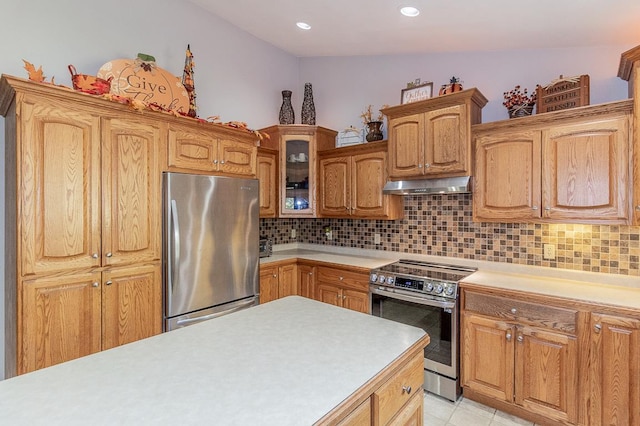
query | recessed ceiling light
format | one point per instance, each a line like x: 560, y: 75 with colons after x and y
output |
x: 303, y: 25
x: 409, y: 11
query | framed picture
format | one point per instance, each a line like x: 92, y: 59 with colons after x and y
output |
x: 416, y: 93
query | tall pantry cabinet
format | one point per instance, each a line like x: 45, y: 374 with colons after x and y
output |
x: 83, y: 221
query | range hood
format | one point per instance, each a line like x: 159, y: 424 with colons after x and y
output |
x: 452, y: 185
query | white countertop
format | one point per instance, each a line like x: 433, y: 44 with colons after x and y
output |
x: 287, y: 362
x: 610, y: 289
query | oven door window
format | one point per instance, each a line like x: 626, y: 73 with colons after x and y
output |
x: 436, y: 321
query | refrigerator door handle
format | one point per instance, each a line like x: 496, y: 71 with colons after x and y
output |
x: 175, y: 259
x: 186, y: 321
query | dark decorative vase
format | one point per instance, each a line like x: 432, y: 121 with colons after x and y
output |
x: 286, y: 110
x: 374, y: 131
x: 520, y: 111
x: 308, y: 108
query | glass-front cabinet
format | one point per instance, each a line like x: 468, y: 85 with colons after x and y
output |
x: 298, y: 145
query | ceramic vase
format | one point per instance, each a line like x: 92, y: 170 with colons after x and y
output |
x: 287, y: 115
x: 374, y: 131
x: 308, y: 108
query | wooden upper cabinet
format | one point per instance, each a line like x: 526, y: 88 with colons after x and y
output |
x: 507, y: 177
x: 268, y: 179
x: 131, y: 190
x: 194, y: 148
x: 432, y: 138
x: 351, y: 182
x: 577, y: 172
x: 586, y: 171
x: 58, y: 186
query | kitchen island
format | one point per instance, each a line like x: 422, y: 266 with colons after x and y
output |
x: 293, y: 361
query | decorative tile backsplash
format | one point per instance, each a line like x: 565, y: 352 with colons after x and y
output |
x: 442, y: 225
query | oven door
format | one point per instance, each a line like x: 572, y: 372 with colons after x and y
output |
x: 439, y: 319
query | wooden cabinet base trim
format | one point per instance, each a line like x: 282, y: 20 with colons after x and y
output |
x: 508, y: 408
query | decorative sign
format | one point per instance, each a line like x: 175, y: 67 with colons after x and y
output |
x: 416, y: 93
x: 563, y: 93
x: 141, y: 79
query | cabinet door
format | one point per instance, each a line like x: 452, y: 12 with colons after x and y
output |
x: 507, y: 177
x: 368, y: 178
x: 447, y: 141
x: 131, y: 305
x: 586, y: 171
x: 488, y: 356
x: 237, y: 158
x: 58, y: 187
x: 191, y: 149
x: 268, y: 283
x: 615, y: 368
x: 287, y: 280
x: 328, y: 293
x: 412, y: 414
x: 335, y: 194
x: 131, y: 192
x: 297, y: 176
x: 356, y: 300
x: 306, y: 281
x: 406, y: 146
x: 267, y: 176
x: 546, y: 377
x: 60, y: 320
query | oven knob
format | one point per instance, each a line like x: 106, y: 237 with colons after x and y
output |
x: 381, y: 279
x: 429, y: 286
x: 390, y: 280
x: 373, y: 278
x: 439, y: 288
x: 450, y: 290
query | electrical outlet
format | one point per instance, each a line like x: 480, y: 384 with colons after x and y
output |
x: 548, y: 251
x: 376, y: 239
x: 293, y: 233
x: 329, y: 235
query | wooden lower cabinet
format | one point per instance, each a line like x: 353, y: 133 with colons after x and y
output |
x: 70, y: 316
x: 306, y: 280
x: 346, y: 288
x: 277, y: 281
x: 519, y: 356
x: 614, y: 391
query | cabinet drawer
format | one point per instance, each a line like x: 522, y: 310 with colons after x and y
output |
x: 344, y: 278
x: 532, y: 313
x: 395, y: 393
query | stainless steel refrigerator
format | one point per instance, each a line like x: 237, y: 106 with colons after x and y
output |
x: 211, y: 244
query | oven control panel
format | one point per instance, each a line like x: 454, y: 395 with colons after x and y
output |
x: 423, y: 285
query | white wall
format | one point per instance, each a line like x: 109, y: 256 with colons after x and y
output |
x: 237, y: 76
x: 343, y: 87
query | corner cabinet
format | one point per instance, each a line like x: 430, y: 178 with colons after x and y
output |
x: 567, y: 166
x: 351, y: 182
x: 267, y: 173
x: 298, y: 145
x: 432, y: 138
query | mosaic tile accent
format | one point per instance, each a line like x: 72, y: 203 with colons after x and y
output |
x: 442, y: 225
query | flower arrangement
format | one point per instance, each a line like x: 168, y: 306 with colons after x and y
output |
x: 367, y: 115
x: 515, y: 97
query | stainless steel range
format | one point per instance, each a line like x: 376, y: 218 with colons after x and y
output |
x: 425, y: 295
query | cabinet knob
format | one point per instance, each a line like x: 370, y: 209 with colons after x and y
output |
x: 341, y: 278
x: 597, y: 328
x: 95, y: 284
x: 221, y: 161
x: 426, y: 166
x: 109, y: 282
x: 275, y: 275
x: 310, y: 273
x: 547, y: 208
x: 508, y: 336
x: 109, y: 254
x: 95, y: 255
x: 534, y: 208
x: 215, y: 161
x: 406, y: 389
x: 419, y: 166
x: 638, y: 207
x: 520, y: 338
x: 514, y: 311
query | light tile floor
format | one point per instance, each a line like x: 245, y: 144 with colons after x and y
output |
x: 442, y: 412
